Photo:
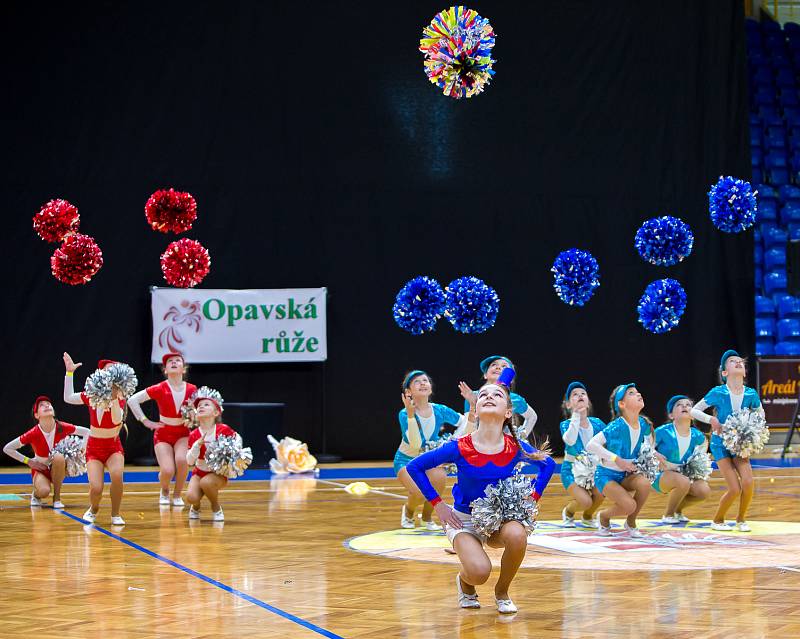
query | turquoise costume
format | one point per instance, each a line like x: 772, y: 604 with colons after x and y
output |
x: 667, y: 445
x: 571, y: 451
x: 720, y: 398
x: 618, y: 441
x: 442, y: 415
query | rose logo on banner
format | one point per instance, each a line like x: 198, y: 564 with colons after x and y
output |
x: 255, y: 325
x: 169, y: 338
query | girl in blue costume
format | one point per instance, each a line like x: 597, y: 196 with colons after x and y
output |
x: 483, y: 457
x: 676, y: 441
x: 491, y: 368
x: 617, y: 447
x: 576, y: 432
x: 420, y: 423
x: 732, y: 395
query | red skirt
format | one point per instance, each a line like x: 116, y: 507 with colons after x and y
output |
x: 101, y: 449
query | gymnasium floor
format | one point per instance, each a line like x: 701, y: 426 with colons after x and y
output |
x: 300, y: 557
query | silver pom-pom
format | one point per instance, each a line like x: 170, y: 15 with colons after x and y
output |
x: 647, y: 463
x: 204, y: 392
x: 123, y: 378
x: 507, y: 500
x: 189, y: 415
x: 583, y: 470
x: 745, y: 432
x: 98, y: 389
x: 71, y: 447
x: 698, y: 466
x: 225, y: 456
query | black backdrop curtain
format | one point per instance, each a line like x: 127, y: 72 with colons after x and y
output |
x: 320, y: 155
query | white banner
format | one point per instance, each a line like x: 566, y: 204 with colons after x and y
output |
x: 257, y: 325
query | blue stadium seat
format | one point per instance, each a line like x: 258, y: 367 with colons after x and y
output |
x: 756, y: 157
x: 765, y: 191
x: 789, y: 192
x: 775, y: 284
x: 765, y: 327
x: 792, y: 115
x: 759, y: 280
x: 789, y: 330
x: 787, y: 348
x: 756, y: 138
x: 768, y: 112
x: 765, y: 347
x: 789, y: 307
x: 765, y: 95
x: 778, y: 176
x: 788, y: 99
x: 775, y: 259
x: 776, y: 157
x: 775, y: 138
x: 793, y: 230
x: 769, y: 26
x: 790, y: 212
x: 756, y: 173
x: 773, y: 236
x: 791, y: 29
x: 767, y: 211
x: 764, y: 307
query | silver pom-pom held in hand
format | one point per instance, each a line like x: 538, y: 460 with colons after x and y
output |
x: 71, y: 447
x: 698, y: 466
x: 189, y: 415
x: 507, y: 500
x: 745, y: 432
x: 430, y: 445
x: 583, y: 470
x: 225, y: 456
x: 123, y: 378
x: 98, y: 389
x: 646, y: 463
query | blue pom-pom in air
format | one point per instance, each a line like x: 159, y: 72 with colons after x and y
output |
x: 664, y: 241
x: 506, y: 377
x: 419, y: 305
x: 576, y: 276
x: 662, y: 305
x: 732, y: 205
x: 472, y: 305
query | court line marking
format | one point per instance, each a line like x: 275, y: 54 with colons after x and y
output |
x: 209, y: 580
x: 788, y: 568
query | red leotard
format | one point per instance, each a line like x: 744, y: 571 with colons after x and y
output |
x: 36, y: 439
x: 100, y: 448
x: 162, y: 395
x: 221, y: 429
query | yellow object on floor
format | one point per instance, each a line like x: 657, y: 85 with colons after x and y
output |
x: 358, y: 488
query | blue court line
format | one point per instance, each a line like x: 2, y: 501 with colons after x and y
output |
x: 344, y: 472
x: 209, y: 580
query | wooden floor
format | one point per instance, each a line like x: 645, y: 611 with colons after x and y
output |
x: 280, y: 567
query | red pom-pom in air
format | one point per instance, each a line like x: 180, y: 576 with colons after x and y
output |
x: 55, y: 220
x: 171, y: 210
x: 185, y: 263
x: 77, y: 260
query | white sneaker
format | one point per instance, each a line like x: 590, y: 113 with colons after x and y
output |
x: 723, y: 526
x: 743, y: 526
x: 670, y: 519
x: 193, y: 514
x: 219, y: 515
x: 589, y: 523
x: 506, y: 606
x: 178, y: 502
x: 163, y: 500
x: 432, y: 526
x: 35, y: 501
x: 406, y: 522
x: 603, y: 531
x: 89, y: 516
x: 682, y: 518
x: 57, y: 505
x: 566, y: 520
x: 633, y: 532
x: 464, y: 600
x: 116, y: 520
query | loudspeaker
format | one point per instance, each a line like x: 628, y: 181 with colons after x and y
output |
x: 254, y: 421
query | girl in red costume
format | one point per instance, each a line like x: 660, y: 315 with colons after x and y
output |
x: 104, y: 448
x: 42, y: 438
x: 208, y: 404
x: 170, y: 432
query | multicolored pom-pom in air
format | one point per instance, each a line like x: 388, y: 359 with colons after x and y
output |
x: 732, y: 205
x: 77, y: 260
x: 457, y: 46
x: 170, y: 210
x: 55, y: 220
x: 662, y: 305
x: 664, y: 241
x: 576, y: 275
x: 472, y: 305
x: 185, y: 263
x: 419, y: 305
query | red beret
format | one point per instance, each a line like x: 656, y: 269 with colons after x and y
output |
x: 39, y: 400
x: 168, y: 355
x: 103, y: 362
